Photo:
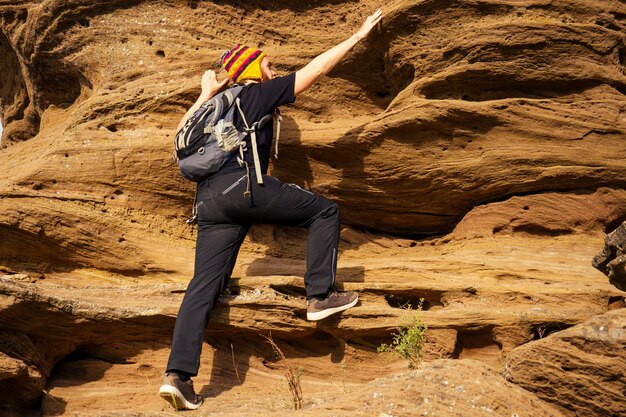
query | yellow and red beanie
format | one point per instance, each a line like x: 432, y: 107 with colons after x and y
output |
x: 242, y: 63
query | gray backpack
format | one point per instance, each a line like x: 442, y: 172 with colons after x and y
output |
x: 209, y: 139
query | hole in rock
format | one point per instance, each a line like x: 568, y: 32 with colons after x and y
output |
x: 540, y: 230
x: 432, y: 301
x: 617, y: 302
x: 149, y: 42
x: 112, y: 128
x: 300, y: 314
x: 539, y: 331
x: 160, y: 53
x: 84, y: 23
x: 622, y: 56
x: 614, y: 224
x: 289, y: 290
x: 479, y: 344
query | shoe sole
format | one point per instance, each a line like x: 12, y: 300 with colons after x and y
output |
x: 318, y: 315
x: 176, y: 399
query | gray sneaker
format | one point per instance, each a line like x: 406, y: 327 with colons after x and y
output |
x: 180, y: 394
x: 334, y: 302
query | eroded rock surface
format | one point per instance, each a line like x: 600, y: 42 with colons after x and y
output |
x: 582, y: 370
x: 443, y: 387
x: 448, y: 106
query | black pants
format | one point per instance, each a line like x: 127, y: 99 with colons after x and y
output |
x: 224, y: 217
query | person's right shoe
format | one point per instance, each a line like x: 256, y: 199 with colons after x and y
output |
x: 180, y: 394
x: 334, y: 302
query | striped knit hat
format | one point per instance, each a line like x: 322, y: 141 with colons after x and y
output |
x: 242, y: 63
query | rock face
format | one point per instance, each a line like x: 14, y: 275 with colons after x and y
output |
x: 582, y: 370
x: 612, y: 260
x: 422, y: 122
x: 476, y: 149
x: 443, y: 387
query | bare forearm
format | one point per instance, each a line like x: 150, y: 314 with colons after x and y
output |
x: 204, y: 96
x: 210, y: 87
x: 324, y: 63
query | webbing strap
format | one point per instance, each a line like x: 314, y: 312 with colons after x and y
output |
x: 255, y: 151
x: 279, y: 119
x: 255, y: 155
x: 194, y: 211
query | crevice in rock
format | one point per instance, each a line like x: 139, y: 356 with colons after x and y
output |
x: 541, y: 330
x: 371, y: 342
x: 412, y: 298
x: 18, y: 120
x: 289, y: 290
x: 615, y: 223
x: 617, y: 302
x: 19, y: 244
x: 536, y: 230
x: 484, y: 85
x: 479, y: 344
x: 59, y: 85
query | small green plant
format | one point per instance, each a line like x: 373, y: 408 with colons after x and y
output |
x: 409, y: 340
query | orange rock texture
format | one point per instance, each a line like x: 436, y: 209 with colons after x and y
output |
x: 476, y: 149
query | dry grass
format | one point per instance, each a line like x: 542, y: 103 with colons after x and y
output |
x: 292, y: 375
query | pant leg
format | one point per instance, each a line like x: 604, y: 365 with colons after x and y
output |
x: 217, y: 246
x: 322, y: 252
x: 276, y: 202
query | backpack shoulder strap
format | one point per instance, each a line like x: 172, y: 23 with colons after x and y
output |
x: 221, y: 103
x: 255, y: 151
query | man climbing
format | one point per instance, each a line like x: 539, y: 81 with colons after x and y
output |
x: 232, y: 199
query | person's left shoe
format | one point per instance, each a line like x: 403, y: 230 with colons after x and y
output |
x: 334, y: 302
x: 179, y: 394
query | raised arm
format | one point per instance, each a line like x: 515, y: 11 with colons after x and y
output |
x: 322, y: 64
x: 210, y: 87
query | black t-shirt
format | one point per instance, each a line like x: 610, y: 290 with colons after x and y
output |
x: 258, y: 100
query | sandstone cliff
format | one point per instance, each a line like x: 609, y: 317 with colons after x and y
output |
x: 476, y: 148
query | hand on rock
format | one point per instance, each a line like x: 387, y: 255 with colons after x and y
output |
x: 369, y: 24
